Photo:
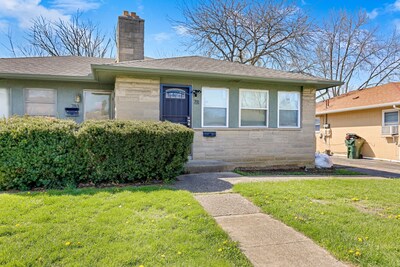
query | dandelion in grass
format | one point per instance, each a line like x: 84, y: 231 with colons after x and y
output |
x: 162, y: 256
x: 68, y: 244
x: 357, y: 254
x: 179, y: 253
x: 359, y: 239
x: 354, y: 199
x: 220, y: 250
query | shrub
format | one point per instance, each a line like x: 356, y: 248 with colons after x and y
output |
x: 121, y: 151
x: 38, y: 152
x: 52, y: 153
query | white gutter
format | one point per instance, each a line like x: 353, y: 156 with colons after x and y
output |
x: 391, y: 104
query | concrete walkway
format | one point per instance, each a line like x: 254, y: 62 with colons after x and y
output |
x: 264, y: 240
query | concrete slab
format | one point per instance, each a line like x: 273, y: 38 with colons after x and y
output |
x: 299, y: 254
x: 226, y: 204
x: 259, y: 229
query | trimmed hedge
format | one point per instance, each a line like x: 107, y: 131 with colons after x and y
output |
x: 53, y: 153
x: 120, y: 151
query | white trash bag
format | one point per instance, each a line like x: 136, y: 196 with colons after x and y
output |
x: 323, y: 161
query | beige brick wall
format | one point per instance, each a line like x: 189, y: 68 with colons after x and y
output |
x: 262, y: 147
x: 137, y: 99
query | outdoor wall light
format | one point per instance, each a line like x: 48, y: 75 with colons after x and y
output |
x: 195, y: 92
x: 77, y: 98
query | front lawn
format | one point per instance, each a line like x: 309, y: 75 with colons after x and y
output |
x: 150, y: 226
x: 357, y: 220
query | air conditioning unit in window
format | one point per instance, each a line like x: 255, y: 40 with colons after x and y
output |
x: 390, y: 130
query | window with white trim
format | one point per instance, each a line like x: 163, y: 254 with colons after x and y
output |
x: 40, y: 102
x: 253, y: 107
x: 390, y: 118
x: 288, y: 109
x: 215, y: 107
x: 4, y: 103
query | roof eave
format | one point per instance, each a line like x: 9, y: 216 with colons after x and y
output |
x: 319, y: 85
x: 357, y: 108
x: 23, y: 76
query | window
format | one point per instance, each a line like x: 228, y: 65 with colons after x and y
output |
x: 253, y: 107
x: 40, y: 102
x: 390, y: 118
x: 289, y: 109
x: 215, y: 107
x: 317, y: 124
x: 97, y: 105
x: 4, y: 103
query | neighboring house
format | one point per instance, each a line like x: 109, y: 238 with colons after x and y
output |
x: 248, y: 115
x: 371, y: 113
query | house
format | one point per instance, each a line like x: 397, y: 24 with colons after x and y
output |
x: 371, y: 113
x: 247, y: 115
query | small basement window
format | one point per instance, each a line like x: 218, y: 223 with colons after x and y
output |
x: 215, y: 107
x: 40, y: 102
x: 288, y: 109
x: 253, y: 107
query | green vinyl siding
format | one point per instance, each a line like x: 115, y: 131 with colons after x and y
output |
x: 66, y: 92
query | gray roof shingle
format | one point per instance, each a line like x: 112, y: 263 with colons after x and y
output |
x: 214, y: 66
x: 57, y: 66
x: 81, y: 67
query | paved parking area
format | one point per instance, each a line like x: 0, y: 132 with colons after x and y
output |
x: 371, y: 167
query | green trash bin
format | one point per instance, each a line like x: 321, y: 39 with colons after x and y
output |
x: 354, y: 144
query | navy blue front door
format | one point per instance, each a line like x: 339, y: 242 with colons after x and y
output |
x: 175, y: 104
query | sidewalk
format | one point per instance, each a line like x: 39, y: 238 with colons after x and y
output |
x: 264, y: 240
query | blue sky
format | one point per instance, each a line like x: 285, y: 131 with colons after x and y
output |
x: 161, y: 38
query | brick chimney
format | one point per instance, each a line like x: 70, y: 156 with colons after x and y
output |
x: 130, y: 37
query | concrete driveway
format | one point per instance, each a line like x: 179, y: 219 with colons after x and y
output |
x: 370, y: 166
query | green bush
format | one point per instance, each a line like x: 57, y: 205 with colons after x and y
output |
x: 38, y: 152
x: 52, y: 153
x: 126, y: 151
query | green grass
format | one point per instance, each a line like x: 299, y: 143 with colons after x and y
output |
x: 150, y: 226
x: 311, y: 172
x: 357, y: 220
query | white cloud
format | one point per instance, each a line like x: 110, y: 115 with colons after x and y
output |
x: 74, y: 5
x: 373, y: 14
x: 161, y: 37
x: 140, y: 6
x: 387, y: 9
x: 396, y: 5
x: 181, y: 30
x: 24, y: 11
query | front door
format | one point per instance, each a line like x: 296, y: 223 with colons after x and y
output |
x: 175, y: 104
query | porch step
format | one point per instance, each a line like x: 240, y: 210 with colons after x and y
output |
x: 202, y: 166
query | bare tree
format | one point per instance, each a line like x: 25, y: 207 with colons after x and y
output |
x: 74, y: 37
x: 348, y: 49
x: 60, y: 38
x: 266, y: 33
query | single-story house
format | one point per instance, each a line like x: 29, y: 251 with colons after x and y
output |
x: 248, y: 115
x: 371, y: 113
